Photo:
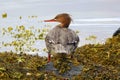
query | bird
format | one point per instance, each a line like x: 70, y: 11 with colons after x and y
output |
x: 117, y: 32
x: 61, y: 39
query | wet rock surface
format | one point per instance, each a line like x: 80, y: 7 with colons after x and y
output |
x: 75, y: 70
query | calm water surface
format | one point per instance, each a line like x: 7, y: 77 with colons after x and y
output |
x: 101, y: 31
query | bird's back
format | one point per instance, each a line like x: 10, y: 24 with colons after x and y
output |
x: 61, y: 40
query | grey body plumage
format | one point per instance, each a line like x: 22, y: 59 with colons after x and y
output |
x: 61, y: 40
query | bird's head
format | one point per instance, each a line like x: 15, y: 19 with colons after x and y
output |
x: 63, y: 18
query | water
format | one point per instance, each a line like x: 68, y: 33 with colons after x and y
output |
x: 99, y: 18
x: 101, y: 31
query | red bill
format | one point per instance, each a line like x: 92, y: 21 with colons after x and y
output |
x: 51, y: 20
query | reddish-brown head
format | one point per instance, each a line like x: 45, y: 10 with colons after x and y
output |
x: 63, y: 18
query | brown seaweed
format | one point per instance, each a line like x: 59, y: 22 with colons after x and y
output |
x: 99, y: 61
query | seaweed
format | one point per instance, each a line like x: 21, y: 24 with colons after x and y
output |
x: 99, y: 62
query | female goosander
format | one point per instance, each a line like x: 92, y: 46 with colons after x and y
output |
x: 61, y: 39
